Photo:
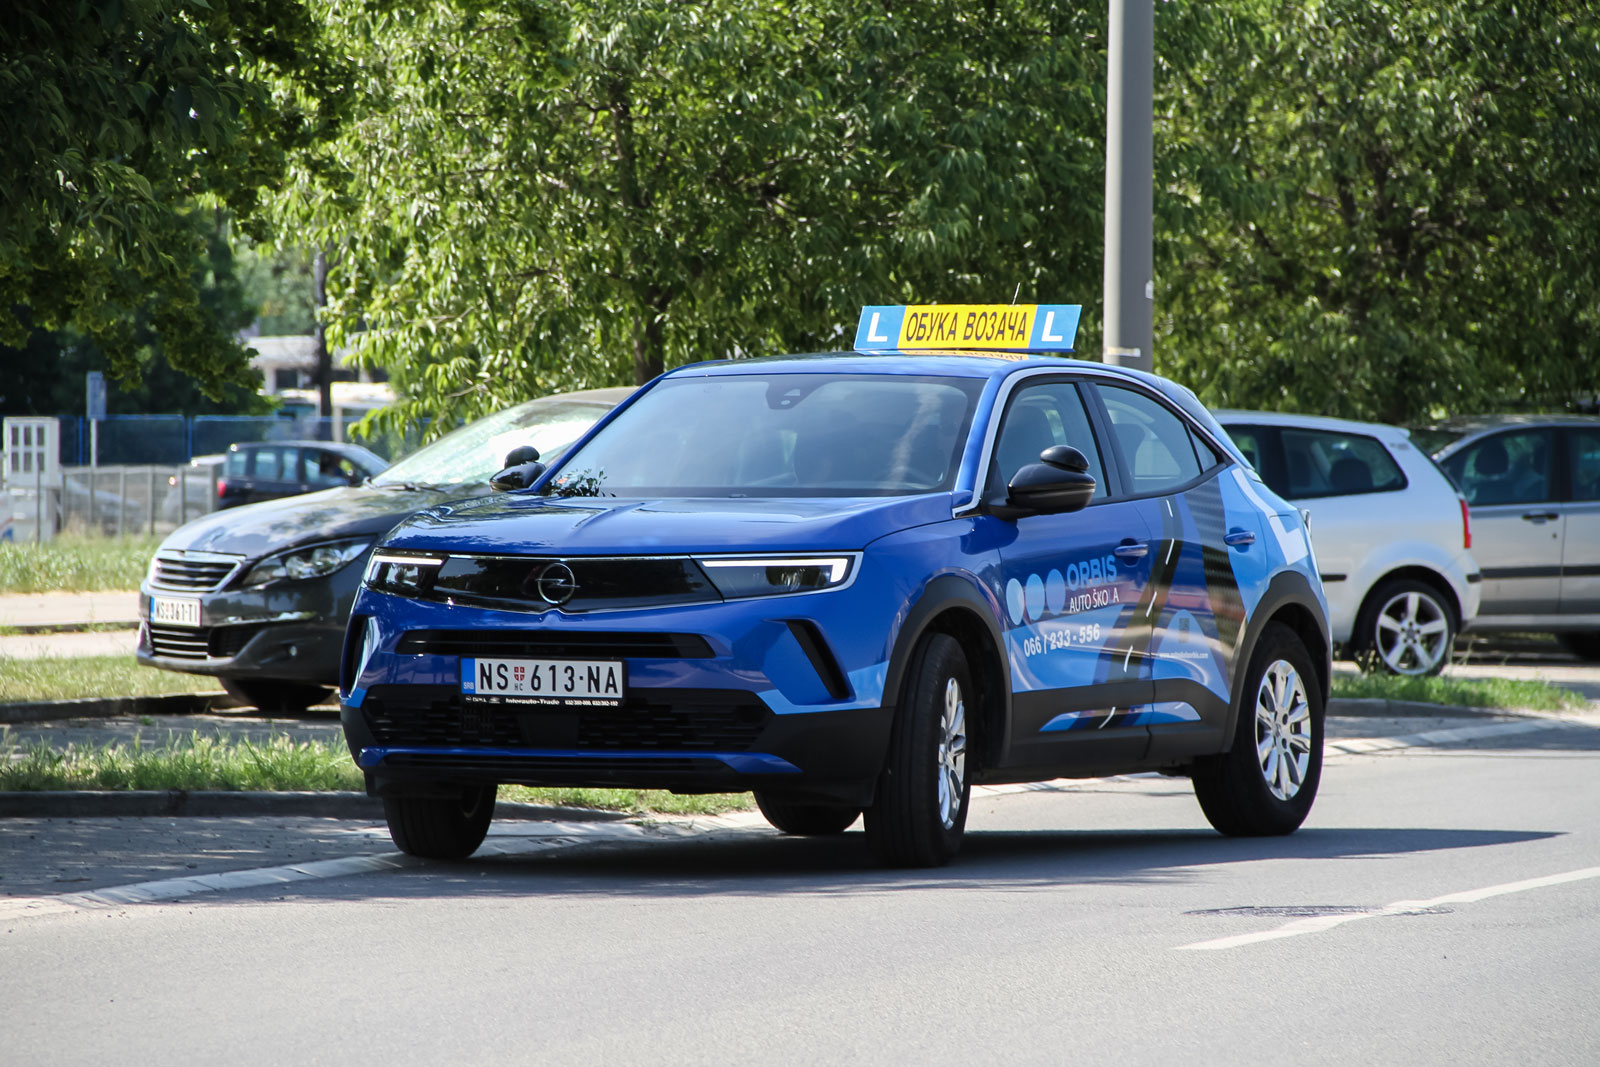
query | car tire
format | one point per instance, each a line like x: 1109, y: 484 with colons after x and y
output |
x: 1265, y: 784
x: 441, y: 828
x: 1407, y: 628
x: 1583, y: 645
x: 284, y: 698
x: 924, y: 790
x: 804, y: 819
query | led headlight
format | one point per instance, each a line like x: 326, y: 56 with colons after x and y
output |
x: 313, y: 561
x: 402, y: 573
x: 750, y: 576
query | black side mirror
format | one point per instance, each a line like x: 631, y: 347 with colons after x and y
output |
x: 522, y: 469
x: 1060, y: 482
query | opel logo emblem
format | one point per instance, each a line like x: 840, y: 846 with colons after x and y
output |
x: 556, y: 583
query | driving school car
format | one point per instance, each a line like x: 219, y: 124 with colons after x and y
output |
x: 854, y: 583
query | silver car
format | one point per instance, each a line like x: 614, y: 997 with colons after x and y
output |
x: 1533, y: 482
x: 1391, y: 533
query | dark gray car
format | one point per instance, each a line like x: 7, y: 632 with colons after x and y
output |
x: 1533, y: 484
x: 258, y: 595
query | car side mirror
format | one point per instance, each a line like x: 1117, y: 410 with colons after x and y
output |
x: 522, y: 469
x: 1059, y: 483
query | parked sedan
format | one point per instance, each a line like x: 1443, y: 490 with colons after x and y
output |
x: 1533, y: 482
x: 267, y: 470
x: 1391, y: 533
x: 258, y: 595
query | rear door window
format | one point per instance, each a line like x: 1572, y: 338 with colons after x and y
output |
x: 1333, y: 463
x: 1505, y: 468
x: 1158, y: 448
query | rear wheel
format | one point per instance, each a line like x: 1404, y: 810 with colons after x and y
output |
x: 1583, y: 645
x: 1265, y: 784
x: 806, y: 819
x: 272, y: 696
x: 1407, y: 628
x: 441, y: 828
x: 922, y: 795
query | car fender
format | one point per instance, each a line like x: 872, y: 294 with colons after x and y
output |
x: 1290, y: 597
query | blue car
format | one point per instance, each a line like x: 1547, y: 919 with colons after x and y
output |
x: 853, y: 583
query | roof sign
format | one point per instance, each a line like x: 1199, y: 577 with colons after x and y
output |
x: 968, y: 327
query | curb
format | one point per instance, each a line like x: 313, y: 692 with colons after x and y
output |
x: 108, y: 626
x: 94, y: 804
x: 1381, y: 707
x: 111, y: 707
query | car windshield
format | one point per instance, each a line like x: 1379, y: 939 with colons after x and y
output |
x: 779, y: 435
x: 1431, y: 439
x: 476, y: 451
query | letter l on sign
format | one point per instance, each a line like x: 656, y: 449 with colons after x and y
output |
x: 1049, y: 325
x: 872, y: 329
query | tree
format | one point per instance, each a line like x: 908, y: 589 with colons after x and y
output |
x: 1379, y: 210
x: 532, y: 196
x: 117, y: 119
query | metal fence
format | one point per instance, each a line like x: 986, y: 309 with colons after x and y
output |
x: 116, y: 501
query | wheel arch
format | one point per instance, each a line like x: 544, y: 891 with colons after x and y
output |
x: 1427, y: 576
x: 955, y: 606
x: 1290, y: 601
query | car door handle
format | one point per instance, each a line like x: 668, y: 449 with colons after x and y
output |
x: 1540, y: 516
x: 1131, y: 550
x: 1237, y: 538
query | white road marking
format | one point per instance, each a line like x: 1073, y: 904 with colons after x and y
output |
x: 1317, y: 924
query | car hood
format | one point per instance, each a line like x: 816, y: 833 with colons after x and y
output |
x: 520, y: 524
x: 256, y: 530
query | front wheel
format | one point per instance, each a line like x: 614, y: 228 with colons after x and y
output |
x: 441, y: 828
x: 805, y: 819
x: 274, y: 697
x: 1584, y: 645
x: 921, y: 809
x: 1265, y: 784
x: 1408, y: 629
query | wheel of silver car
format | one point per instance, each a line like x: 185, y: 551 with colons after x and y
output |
x: 1410, y: 629
x: 921, y: 809
x: 1266, y: 782
x: 441, y: 828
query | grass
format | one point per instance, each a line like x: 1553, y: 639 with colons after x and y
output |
x: 278, y: 764
x: 72, y: 677
x: 75, y: 563
x: 1466, y: 692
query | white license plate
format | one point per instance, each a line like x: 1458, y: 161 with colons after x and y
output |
x: 174, y: 611
x: 542, y: 681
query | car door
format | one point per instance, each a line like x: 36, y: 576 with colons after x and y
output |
x: 1518, y: 519
x: 1189, y: 616
x: 1580, y: 550
x: 1069, y: 584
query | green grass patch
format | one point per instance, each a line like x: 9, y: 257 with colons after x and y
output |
x: 279, y: 764
x: 73, y: 677
x: 75, y: 563
x: 1466, y: 692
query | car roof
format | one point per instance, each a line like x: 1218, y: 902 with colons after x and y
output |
x: 1234, y: 416
x: 1475, y: 423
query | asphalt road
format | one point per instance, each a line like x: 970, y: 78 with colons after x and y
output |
x: 1442, y: 906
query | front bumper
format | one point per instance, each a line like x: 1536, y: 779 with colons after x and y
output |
x: 778, y: 693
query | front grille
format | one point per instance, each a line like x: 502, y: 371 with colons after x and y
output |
x: 543, y: 643
x: 192, y: 573
x: 177, y: 643
x: 585, y: 583
x: 690, y: 721
x: 229, y: 641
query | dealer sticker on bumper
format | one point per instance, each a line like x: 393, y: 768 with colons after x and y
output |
x: 542, y: 681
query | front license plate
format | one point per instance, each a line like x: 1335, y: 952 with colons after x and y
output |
x: 543, y: 681
x: 174, y: 611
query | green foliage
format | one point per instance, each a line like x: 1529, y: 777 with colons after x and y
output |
x: 118, y: 117
x: 195, y: 762
x: 75, y: 564
x: 1517, y: 693
x: 79, y: 677
x: 531, y: 196
x: 1379, y: 210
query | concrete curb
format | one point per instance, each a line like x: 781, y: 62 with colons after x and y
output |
x: 111, y: 707
x: 94, y: 804
x: 1379, y: 707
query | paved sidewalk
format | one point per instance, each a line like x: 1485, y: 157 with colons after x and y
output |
x: 26, y: 610
x: 33, y: 646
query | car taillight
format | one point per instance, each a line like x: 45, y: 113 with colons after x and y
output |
x: 1466, y: 523
x: 222, y: 487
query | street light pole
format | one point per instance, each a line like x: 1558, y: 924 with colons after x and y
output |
x: 1130, y: 179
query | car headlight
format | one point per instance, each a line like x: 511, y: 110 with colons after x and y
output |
x: 750, y: 576
x: 401, y: 572
x: 313, y: 561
